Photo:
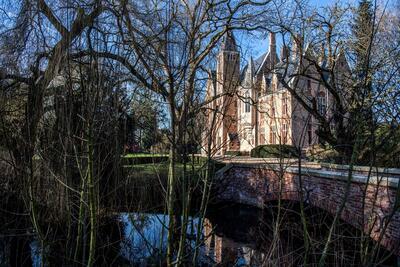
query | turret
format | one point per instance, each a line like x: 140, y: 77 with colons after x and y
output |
x: 228, y: 68
x: 228, y: 65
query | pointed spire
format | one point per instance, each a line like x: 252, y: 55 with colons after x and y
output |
x: 264, y: 84
x: 251, y: 64
x: 341, y: 61
x: 228, y: 42
x: 248, y: 79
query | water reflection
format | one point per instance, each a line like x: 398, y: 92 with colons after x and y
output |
x: 231, y: 234
x: 226, y: 251
x: 228, y: 234
x: 145, y: 236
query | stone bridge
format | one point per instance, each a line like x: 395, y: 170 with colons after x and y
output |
x: 372, y: 203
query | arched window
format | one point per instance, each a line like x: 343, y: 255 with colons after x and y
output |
x: 272, y: 135
x: 309, y: 85
x: 321, y: 102
x: 247, y: 102
x: 284, y: 104
x: 284, y: 133
x: 272, y: 104
x: 309, y: 133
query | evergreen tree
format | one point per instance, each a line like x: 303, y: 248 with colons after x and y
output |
x: 363, y: 32
x: 361, y: 118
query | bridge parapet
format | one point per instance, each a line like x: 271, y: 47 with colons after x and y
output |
x: 364, y: 170
x: 372, y: 203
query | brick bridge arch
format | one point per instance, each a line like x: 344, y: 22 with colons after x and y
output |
x: 323, y: 187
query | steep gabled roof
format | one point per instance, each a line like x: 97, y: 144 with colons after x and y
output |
x: 288, y: 68
x: 249, y: 74
x: 267, y: 61
x: 292, y: 67
x: 257, y: 65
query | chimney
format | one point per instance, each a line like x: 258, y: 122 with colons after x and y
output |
x: 329, y: 49
x: 272, y: 47
x: 284, y: 53
x: 297, y: 46
x: 321, y: 57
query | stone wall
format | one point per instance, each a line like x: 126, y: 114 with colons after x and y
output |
x: 325, y: 189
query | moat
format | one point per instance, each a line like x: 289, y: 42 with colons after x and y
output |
x: 234, y: 235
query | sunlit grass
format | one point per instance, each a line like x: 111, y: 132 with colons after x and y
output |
x: 161, y: 167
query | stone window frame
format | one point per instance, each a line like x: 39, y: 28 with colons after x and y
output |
x: 285, y: 128
x: 321, y: 103
x: 285, y: 101
x: 247, y: 103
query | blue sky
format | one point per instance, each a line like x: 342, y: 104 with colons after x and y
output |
x: 257, y: 45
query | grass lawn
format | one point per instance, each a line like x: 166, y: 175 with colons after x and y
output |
x: 161, y: 167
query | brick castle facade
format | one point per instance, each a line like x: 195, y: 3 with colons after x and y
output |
x: 249, y: 106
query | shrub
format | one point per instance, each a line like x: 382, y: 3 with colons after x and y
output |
x: 324, y: 154
x: 274, y: 151
x: 133, y: 159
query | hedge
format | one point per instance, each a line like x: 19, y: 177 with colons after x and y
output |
x: 233, y: 153
x: 274, y: 151
x: 145, y: 160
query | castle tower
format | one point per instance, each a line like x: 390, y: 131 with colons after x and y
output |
x: 228, y: 65
x: 228, y: 75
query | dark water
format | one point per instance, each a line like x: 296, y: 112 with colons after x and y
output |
x: 231, y: 234
x: 145, y: 236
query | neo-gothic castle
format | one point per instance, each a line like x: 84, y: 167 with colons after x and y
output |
x: 249, y: 106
